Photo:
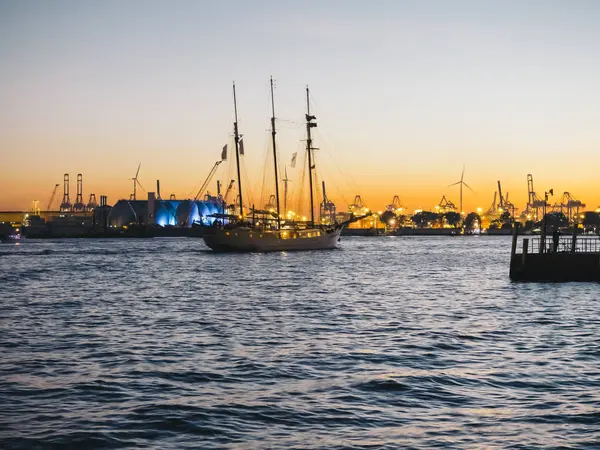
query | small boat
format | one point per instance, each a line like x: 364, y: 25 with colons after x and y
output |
x: 14, y: 235
x: 271, y: 233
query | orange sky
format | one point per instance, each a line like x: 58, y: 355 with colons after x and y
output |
x: 405, y: 94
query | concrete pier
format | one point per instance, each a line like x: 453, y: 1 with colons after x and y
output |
x: 556, y: 258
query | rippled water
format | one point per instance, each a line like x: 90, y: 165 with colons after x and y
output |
x: 390, y: 342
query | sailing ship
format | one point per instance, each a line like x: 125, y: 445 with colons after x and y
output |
x: 270, y: 232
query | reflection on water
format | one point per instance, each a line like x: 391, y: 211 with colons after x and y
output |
x: 388, y: 342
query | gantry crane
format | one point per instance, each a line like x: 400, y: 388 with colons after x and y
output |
x: 505, y: 204
x: 327, y: 209
x: 446, y: 205
x: 358, y: 208
x: 395, y: 206
x: 534, y: 203
x: 66, y: 203
x: 571, y: 205
x: 92, y: 203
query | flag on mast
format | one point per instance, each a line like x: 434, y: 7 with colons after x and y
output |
x: 241, y: 146
x: 224, y: 153
x: 293, y: 163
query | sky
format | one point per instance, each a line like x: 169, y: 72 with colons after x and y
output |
x: 406, y: 93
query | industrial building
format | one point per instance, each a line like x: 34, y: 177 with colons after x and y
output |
x: 158, y: 212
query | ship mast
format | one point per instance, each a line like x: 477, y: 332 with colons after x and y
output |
x: 237, y: 153
x: 310, y: 124
x: 275, y: 154
x: 285, y: 190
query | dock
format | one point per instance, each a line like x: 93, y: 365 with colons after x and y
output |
x: 555, y: 258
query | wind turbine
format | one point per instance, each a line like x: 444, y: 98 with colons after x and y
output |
x: 461, y: 183
x: 136, y: 183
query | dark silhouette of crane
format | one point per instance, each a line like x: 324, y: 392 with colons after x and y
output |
x: 505, y: 204
x: 327, y: 209
x: 79, y: 205
x: 52, y: 197
x: 571, y: 206
x: 66, y: 203
x: 358, y: 208
x: 396, y: 205
x: 92, y: 203
x: 446, y: 205
x: 534, y: 203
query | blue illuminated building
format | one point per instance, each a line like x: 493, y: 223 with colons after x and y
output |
x: 167, y: 213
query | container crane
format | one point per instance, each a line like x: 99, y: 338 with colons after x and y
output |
x: 505, y: 204
x: 534, y: 203
x: 66, y: 203
x: 92, y: 203
x: 358, y: 208
x: 396, y: 205
x: 79, y: 205
x: 327, y: 209
x: 446, y: 205
x: 570, y: 204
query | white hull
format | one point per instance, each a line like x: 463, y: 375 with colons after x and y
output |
x: 249, y: 240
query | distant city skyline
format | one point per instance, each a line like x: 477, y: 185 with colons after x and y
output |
x: 405, y: 94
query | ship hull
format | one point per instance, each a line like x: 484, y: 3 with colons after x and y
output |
x: 249, y: 240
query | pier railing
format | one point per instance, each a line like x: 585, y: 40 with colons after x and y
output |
x: 555, y: 258
x: 564, y: 244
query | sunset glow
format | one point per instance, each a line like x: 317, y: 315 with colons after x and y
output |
x: 405, y: 94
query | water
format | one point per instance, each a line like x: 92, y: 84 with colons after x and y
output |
x: 401, y: 342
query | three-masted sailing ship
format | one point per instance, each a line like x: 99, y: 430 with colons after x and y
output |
x: 271, y: 232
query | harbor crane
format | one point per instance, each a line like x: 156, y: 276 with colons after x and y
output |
x: 534, y: 203
x: 66, y: 203
x: 203, y: 187
x: 446, y: 205
x: 92, y: 203
x: 557, y: 207
x: 395, y: 206
x: 79, y: 205
x: 505, y: 204
x: 571, y: 205
x: 358, y: 208
x: 208, y: 179
x: 52, y: 197
x: 327, y: 209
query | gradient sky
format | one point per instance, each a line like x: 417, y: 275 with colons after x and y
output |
x: 406, y: 92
